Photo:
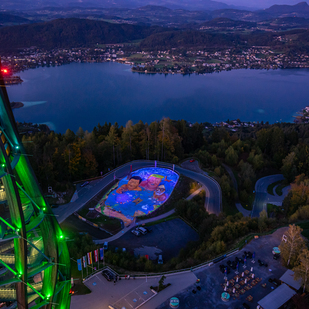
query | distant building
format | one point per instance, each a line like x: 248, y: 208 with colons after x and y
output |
x: 288, y: 278
x: 277, y: 298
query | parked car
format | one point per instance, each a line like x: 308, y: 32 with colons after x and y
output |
x: 274, y: 281
x: 261, y: 263
x: 108, y: 275
x: 160, y: 259
x: 142, y: 230
x: 135, y: 232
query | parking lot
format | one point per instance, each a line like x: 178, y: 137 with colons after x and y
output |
x: 129, y: 294
x: 212, y: 279
x: 166, y: 238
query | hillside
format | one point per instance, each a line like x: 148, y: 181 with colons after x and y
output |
x: 12, y: 19
x: 299, y: 8
x: 188, y: 38
x: 227, y: 23
x: 71, y: 32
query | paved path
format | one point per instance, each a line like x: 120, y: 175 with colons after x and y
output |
x: 211, y: 277
x: 105, y: 293
x: 262, y: 198
x: 195, y: 167
x: 245, y: 212
x: 130, y: 293
x: 214, y: 190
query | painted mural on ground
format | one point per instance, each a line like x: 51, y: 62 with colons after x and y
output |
x: 138, y: 194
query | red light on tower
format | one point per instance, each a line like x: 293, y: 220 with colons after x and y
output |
x: 5, y: 71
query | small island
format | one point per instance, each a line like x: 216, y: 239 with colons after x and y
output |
x: 17, y: 105
x: 302, y: 116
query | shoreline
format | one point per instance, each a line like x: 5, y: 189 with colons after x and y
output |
x: 216, y: 71
x: 17, y: 80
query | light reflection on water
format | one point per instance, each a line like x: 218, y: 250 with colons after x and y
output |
x: 82, y: 95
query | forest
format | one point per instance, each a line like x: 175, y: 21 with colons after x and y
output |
x: 75, y: 32
x: 251, y: 152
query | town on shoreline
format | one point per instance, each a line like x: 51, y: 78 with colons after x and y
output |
x: 172, y: 61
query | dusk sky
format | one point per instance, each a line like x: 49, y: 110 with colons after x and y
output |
x: 260, y: 3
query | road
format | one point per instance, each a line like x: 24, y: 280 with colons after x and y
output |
x: 210, y: 191
x: 214, y: 190
x: 262, y: 198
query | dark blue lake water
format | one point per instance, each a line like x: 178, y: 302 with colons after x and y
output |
x: 82, y: 95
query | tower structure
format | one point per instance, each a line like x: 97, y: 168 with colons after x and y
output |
x: 34, y: 259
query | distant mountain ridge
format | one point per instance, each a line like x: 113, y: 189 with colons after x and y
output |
x: 9, y: 18
x: 174, y: 4
x: 71, y: 32
x: 288, y: 9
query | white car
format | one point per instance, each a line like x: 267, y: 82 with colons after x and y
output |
x: 135, y: 232
x: 142, y: 230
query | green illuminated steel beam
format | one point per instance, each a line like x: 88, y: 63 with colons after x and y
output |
x: 16, y: 166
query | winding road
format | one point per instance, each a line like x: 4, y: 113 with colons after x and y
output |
x: 88, y: 192
x: 262, y: 198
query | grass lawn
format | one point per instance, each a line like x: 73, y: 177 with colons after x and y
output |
x: 184, y: 187
x: 209, y: 172
x: 137, y: 56
x: 273, y: 210
x: 229, y: 208
x: 171, y: 217
x: 79, y: 288
x: 214, y: 61
x: 280, y: 188
x: 113, y: 225
x: 270, y: 188
x: 249, y: 203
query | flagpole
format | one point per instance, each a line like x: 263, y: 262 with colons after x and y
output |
x: 82, y: 271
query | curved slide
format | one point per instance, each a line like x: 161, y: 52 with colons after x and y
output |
x: 262, y: 198
x: 214, y: 199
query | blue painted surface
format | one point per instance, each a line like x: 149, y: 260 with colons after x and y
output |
x: 145, y: 198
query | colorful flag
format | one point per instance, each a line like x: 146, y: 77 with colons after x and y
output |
x: 101, y: 254
x: 89, y: 255
x: 79, y: 264
x: 96, y: 255
x: 85, y: 261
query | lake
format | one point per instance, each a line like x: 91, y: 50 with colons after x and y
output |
x: 85, y: 94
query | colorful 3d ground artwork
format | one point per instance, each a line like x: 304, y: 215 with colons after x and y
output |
x: 138, y: 194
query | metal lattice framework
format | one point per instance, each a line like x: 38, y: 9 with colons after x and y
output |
x: 34, y: 259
